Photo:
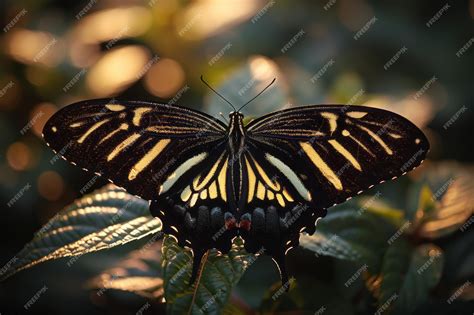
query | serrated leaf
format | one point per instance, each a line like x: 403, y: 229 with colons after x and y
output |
x: 140, y: 273
x: 213, y: 287
x: 408, y: 274
x: 103, y: 219
x: 329, y: 245
x: 360, y: 236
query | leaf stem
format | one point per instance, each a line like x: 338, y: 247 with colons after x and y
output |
x: 196, y: 284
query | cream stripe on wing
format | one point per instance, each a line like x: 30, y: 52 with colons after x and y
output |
x: 252, y: 181
x: 110, y: 135
x: 291, y: 175
x: 115, y: 107
x: 198, y: 186
x: 222, y: 179
x: 183, y: 168
x: 321, y: 165
x: 148, y: 158
x: 123, y: 145
x: 138, y: 113
x: 346, y: 133
x: 273, y: 185
x: 331, y: 117
x: 91, y: 129
x: 213, y: 190
x: 339, y: 148
x: 377, y: 138
x: 356, y: 114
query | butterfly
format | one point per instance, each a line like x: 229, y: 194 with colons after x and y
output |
x: 266, y: 181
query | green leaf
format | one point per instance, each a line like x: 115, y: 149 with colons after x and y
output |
x: 408, y: 274
x: 329, y: 245
x: 356, y: 235
x: 452, y: 209
x: 103, y: 219
x: 380, y: 207
x: 213, y: 287
x: 139, y: 273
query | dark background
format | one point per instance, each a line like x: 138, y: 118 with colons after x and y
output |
x: 110, y: 47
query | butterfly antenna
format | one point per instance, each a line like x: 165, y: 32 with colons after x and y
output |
x: 225, y: 118
x: 273, y: 81
x: 207, y: 84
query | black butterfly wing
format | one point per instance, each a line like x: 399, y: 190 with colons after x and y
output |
x: 136, y: 145
x: 319, y: 156
x: 159, y: 152
x: 340, y: 151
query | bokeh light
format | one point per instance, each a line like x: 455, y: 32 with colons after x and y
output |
x: 117, y: 69
x: 165, y: 78
x: 19, y: 156
x: 32, y: 47
x: 205, y: 18
x: 113, y: 24
x: 50, y: 185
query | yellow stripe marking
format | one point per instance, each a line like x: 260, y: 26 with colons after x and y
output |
x: 287, y: 196
x: 252, y: 181
x: 332, y: 120
x: 91, y: 130
x: 122, y: 146
x: 275, y: 186
x: 394, y: 135
x: 291, y: 175
x: 198, y: 186
x: 78, y: 124
x: 203, y: 194
x: 122, y: 127
x: 138, y: 113
x: 321, y: 165
x: 345, y: 153
x: 171, y: 129
x: 213, y: 190
x: 378, y: 139
x: 148, y: 158
x: 348, y: 134
x: 183, y: 168
x: 115, y: 107
x: 222, y: 179
x: 356, y: 114
x: 270, y: 195
x: 185, y: 194
x: 280, y: 199
x: 260, y: 191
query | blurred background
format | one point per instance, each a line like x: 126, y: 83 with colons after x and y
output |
x: 412, y: 57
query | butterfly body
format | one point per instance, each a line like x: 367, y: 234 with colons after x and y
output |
x: 266, y: 181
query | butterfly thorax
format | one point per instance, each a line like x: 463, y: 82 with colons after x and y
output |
x: 236, y: 134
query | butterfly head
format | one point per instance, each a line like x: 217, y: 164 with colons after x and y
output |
x: 236, y: 115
